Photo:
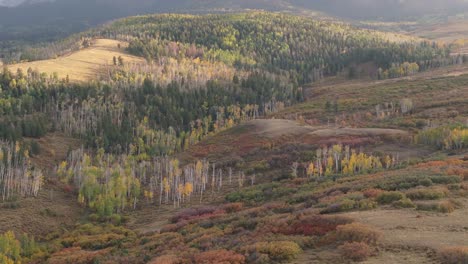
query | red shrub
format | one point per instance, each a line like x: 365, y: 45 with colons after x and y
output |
x: 233, y: 207
x: 356, y: 251
x: 196, y: 213
x: 458, y: 171
x: 221, y: 256
x: 314, y: 225
x: 68, y: 188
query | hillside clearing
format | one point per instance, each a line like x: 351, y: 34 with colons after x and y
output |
x: 418, y: 229
x: 279, y: 127
x: 84, y: 65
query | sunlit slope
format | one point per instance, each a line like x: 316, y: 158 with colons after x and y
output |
x: 83, y: 65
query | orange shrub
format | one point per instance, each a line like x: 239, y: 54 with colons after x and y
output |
x: 357, y: 232
x: 454, y: 255
x: 458, y: 171
x: 446, y: 207
x: 356, y: 251
x: 372, y: 193
x: 221, y: 256
x: 76, y: 255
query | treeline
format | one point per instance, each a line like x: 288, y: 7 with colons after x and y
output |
x: 163, y: 120
x: 157, y: 119
x: 307, y: 49
x: 13, y: 128
x: 44, y: 51
x: 453, y: 137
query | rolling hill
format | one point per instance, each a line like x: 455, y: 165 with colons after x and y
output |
x: 48, y: 20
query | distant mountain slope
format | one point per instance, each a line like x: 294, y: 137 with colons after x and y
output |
x: 47, y: 19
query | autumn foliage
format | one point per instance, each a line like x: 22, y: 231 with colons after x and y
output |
x: 221, y: 256
x: 357, y: 232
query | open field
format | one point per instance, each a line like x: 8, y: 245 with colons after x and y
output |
x: 446, y: 32
x: 83, y: 65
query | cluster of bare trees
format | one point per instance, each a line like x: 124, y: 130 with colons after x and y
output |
x: 17, y: 176
x: 109, y: 184
x: 79, y: 118
x: 389, y: 109
x: 189, y: 73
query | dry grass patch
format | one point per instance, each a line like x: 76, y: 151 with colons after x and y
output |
x: 454, y: 255
x: 84, y: 65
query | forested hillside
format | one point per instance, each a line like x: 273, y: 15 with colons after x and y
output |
x: 182, y: 126
x: 301, y: 48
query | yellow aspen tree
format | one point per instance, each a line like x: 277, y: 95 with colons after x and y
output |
x: 310, y: 170
x: 329, y: 168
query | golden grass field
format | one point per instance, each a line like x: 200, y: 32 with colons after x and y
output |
x: 83, y: 65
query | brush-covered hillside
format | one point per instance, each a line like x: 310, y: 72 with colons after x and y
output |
x: 241, y: 138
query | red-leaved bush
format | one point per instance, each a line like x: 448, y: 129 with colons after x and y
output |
x: 197, y: 214
x: 317, y: 225
x: 233, y: 207
x: 310, y: 225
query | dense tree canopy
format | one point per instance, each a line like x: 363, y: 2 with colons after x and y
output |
x: 306, y: 48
